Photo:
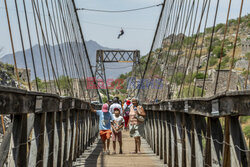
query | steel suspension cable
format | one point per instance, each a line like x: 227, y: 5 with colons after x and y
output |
x: 234, y: 49
x: 22, y: 43
x: 203, y: 38
x: 151, y: 49
x: 210, y: 47
x: 169, y: 49
x: 182, y: 40
x: 46, y: 46
x: 190, y: 56
x: 31, y: 47
x: 11, y: 40
x: 39, y: 47
x: 222, y: 47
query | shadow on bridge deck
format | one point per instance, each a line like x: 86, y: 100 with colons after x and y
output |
x: 92, y: 157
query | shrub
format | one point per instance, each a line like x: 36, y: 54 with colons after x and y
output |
x: 178, y: 78
x: 212, y: 61
x: 244, y: 119
x: 200, y: 75
x: 247, y: 55
x: 217, y: 51
x: 218, y: 27
x: 246, y: 131
x: 197, y: 93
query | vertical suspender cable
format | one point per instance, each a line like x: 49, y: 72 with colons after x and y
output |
x: 151, y: 49
x: 86, y: 52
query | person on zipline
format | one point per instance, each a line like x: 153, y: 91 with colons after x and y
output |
x: 121, y: 33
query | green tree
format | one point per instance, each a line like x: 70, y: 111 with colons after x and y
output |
x: 224, y: 63
x: 217, y: 51
x: 64, y: 82
x: 41, y: 84
x: 178, y: 77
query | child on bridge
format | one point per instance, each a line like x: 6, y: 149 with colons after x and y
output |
x: 105, y: 121
x: 117, y: 129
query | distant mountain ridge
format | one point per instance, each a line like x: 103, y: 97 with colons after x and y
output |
x: 92, y: 46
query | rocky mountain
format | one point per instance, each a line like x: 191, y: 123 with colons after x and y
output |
x: 92, y: 46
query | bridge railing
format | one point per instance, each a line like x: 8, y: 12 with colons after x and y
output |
x: 199, y: 132
x: 45, y: 129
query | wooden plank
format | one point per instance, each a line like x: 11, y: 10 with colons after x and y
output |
x: 226, y: 148
x: 237, y: 103
x: 18, y: 150
x: 188, y: 139
x: 183, y: 138
x: 171, y: 141
x: 37, y: 141
x: 77, y: 137
x: 198, y: 126
x: 12, y: 103
x: 165, y: 138
x: 59, y: 135
x: 175, y: 143
x: 157, y: 132
x: 160, y: 125
x: 5, y: 145
x: 214, y: 140
x: 49, y: 139
x: 236, y: 157
x: 50, y: 104
x: 72, y: 135
x: 178, y: 134
x: 56, y: 138
x: 154, y: 132
x: 66, y: 138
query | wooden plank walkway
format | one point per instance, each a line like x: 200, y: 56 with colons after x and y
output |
x: 92, y: 156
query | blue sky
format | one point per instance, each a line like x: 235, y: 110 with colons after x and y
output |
x: 103, y: 28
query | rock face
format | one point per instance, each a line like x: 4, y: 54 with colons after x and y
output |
x: 7, y: 75
x: 241, y: 64
x: 222, y: 82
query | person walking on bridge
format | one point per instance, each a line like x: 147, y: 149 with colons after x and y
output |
x: 126, y: 109
x: 136, y: 123
x: 115, y: 105
x: 105, y: 121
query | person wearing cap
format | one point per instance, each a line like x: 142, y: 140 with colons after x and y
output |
x: 115, y: 105
x: 105, y: 121
x: 126, y: 109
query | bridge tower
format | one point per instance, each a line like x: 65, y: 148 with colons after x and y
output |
x: 116, y: 56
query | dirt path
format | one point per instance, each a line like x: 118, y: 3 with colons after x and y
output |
x: 92, y: 156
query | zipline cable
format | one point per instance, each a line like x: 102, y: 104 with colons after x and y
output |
x: 119, y: 11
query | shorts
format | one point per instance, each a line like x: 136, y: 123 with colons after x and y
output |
x: 105, y: 134
x: 117, y: 136
x: 136, y: 130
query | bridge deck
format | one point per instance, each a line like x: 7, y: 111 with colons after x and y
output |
x: 93, y: 157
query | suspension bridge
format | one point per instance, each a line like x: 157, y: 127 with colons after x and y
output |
x: 194, y: 93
